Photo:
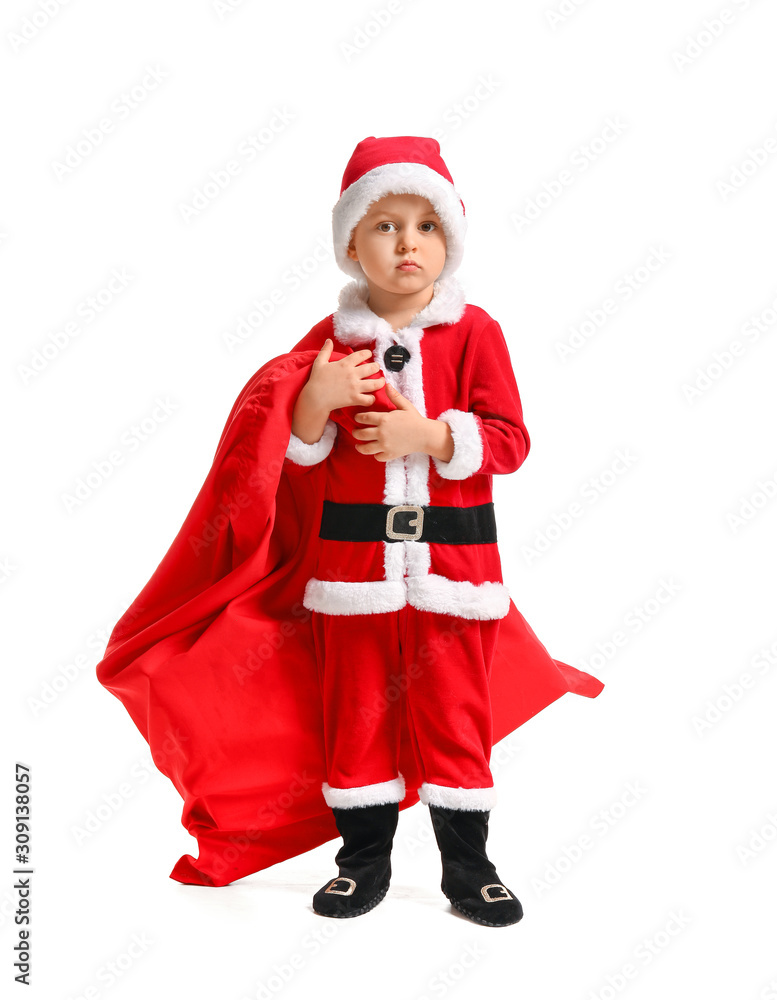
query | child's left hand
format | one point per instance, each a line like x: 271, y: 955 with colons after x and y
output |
x: 391, y: 435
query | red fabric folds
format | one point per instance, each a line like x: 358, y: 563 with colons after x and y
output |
x: 215, y: 663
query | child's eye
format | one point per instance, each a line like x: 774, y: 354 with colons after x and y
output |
x: 380, y: 226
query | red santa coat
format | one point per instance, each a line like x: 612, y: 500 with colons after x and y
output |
x: 215, y: 661
x: 459, y: 371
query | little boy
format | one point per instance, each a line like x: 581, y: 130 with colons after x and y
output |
x: 408, y: 560
x: 332, y: 605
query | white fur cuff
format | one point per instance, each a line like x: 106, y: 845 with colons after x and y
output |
x: 302, y: 453
x: 480, y: 799
x: 467, y: 445
x: 365, y: 795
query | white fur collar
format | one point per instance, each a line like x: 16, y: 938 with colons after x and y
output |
x: 356, y: 323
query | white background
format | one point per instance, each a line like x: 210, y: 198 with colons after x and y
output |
x: 664, y: 899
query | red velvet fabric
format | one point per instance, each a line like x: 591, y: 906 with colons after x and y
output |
x: 215, y: 659
x: 375, y: 152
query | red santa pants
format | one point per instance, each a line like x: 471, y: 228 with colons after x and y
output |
x: 433, y: 667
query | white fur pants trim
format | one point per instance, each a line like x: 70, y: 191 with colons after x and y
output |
x: 480, y: 799
x: 365, y: 795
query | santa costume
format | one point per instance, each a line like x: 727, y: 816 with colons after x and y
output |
x: 349, y: 615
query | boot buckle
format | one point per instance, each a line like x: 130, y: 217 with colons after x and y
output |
x: 497, y: 896
x: 341, y: 879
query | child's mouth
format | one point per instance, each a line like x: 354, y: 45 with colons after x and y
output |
x: 408, y: 267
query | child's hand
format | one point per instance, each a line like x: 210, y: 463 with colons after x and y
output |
x: 333, y: 384
x: 391, y: 435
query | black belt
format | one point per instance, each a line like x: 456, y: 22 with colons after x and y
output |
x: 378, y: 522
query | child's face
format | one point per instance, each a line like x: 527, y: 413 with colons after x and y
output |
x: 399, y: 227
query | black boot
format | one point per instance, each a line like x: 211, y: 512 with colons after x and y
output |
x: 364, y: 861
x: 469, y: 879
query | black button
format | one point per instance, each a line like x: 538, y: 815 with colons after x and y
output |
x: 396, y: 357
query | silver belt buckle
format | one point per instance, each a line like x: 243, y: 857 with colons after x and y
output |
x: 417, y: 523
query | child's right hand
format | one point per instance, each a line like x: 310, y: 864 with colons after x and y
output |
x: 335, y: 384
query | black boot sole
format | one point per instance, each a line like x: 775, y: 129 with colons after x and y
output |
x: 369, y: 905
x: 476, y: 917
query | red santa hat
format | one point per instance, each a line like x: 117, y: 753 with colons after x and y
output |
x: 400, y: 164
